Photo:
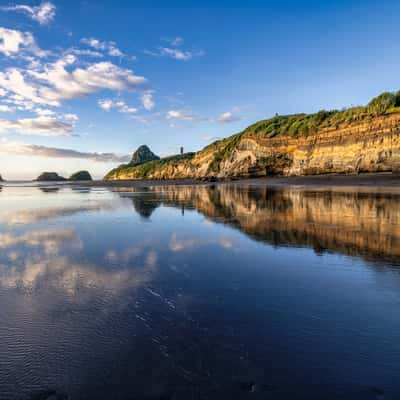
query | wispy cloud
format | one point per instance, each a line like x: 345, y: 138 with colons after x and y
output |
x: 210, y: 138
x: 27, y: 149
x: 176, y: 41
x: 173, y: 50
x: 6, y: 108
x: 147, y: 101
x: 110, y: 47
x: 227, y: 117
x: 43, y: 13
x: 85, y: 52
x: 188, y: 115
x: 121, y: 106
x: 183, y: 115
x: 177, y: 53
x: 40, y: 126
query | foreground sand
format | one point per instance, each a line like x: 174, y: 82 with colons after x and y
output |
x: 386, y: 179
x: 376, y: 182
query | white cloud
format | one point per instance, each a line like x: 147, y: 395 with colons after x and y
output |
x: 176, y: 53
x: 147, y: 101
x: 228, y: 117
x: 43, y: 13
x: 85, y: 52
x: 121, y: 106
x: 106, y: 104
x: 210, y: 138
x: 71, y: 117
x: 176, y: 41
x: 174, y: 50
x: 40, y: 126
x: 182, y: 115
x: 12, y: 42
x: 26, y: 149
x: 185, y: 115
x: 110, y: 47
x: 55, y: 83
x: 188, y: 115
x: 6, y: 108
x: 44, y: 112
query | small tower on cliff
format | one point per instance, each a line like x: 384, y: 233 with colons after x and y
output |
x: 181, y: 149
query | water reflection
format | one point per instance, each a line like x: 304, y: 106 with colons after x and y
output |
x: 353, y: 223
x: 54, y: 189
x: 206, y: 292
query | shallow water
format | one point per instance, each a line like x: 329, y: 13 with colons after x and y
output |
x: 198, y: 293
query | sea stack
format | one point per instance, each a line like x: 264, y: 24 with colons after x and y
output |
x: 49, y: 177
x: 80, y: 176
x: 143, y: 154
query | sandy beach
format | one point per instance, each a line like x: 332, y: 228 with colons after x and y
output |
x: 384, y: 182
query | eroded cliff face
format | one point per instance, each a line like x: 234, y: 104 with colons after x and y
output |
x: 352, y: 223
x: 371, y: 145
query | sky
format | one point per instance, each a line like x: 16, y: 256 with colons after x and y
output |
x: 84, y: 83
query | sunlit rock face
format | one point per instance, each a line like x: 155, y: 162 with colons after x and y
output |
x: 366, y: 146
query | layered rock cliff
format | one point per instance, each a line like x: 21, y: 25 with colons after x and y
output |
x: 360, y: 139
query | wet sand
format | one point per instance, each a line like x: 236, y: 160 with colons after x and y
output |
x: 384, y: 181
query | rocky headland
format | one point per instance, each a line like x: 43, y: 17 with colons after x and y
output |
x: 355, y: 140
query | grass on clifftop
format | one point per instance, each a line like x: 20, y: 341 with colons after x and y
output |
x: 296, y: 125
x: 305, y: 124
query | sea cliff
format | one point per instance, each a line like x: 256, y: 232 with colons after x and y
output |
x: 361, y: 139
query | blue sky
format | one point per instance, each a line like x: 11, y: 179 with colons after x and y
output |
x: 83, y: 83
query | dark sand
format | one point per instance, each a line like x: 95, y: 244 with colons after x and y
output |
x: 386, y: 179
x: 376, y: 182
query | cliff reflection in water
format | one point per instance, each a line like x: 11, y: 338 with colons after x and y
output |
x: 352, y: 223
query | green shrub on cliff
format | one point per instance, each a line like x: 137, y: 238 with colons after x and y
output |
x: 142, y: 171
x: 379, y: 105
x: 304, y: 124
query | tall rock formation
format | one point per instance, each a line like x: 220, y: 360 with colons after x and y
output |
x: 143, y: 154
